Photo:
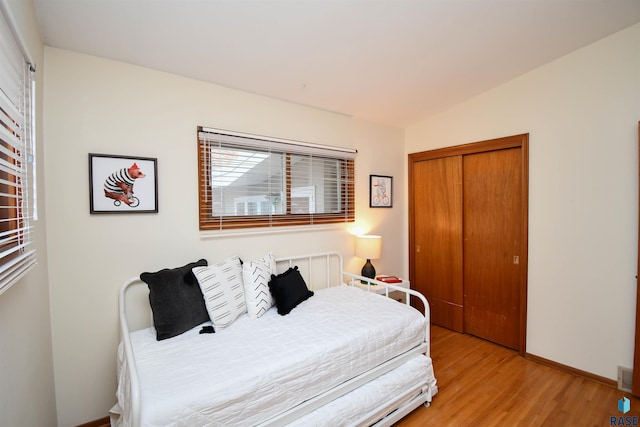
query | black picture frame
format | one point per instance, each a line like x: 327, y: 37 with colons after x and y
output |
x: 141, y: 178
x: 380, y: 191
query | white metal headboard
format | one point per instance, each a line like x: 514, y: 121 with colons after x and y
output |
x: 318, y: 270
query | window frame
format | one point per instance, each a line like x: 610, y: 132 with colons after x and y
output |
x: 18, y: 210
x: 346, y: 182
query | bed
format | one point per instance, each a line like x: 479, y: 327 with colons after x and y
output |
x: 341, y: 356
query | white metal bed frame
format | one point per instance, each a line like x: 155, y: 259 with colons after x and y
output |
x: 388, y: 415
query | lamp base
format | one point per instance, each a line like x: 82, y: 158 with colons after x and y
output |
x: 368, y: 270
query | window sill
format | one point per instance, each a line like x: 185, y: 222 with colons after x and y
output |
x: 273, y: 230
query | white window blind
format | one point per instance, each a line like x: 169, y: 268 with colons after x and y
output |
x: 17, y: 170
x: 255, y: 181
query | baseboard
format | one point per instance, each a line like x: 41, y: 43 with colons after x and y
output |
x: 572, y: 371
x: 97, y: 423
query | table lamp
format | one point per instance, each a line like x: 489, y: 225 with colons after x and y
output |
x: 368, y: 247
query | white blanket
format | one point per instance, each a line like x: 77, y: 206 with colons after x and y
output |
x: 255, y: 369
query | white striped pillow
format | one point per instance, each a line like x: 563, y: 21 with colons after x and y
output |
x: 223, y: 291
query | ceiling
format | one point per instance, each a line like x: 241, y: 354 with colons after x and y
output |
x: 387, y: 61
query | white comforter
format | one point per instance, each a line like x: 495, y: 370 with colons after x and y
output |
x: 255, y: 369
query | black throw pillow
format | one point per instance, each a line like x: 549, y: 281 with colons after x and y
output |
x: 176, y: 300
x: 288, y: 290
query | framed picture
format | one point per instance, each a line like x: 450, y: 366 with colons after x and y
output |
x: 122, y: 184
x: 380, y: 191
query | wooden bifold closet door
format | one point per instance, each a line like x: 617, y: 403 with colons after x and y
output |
x: 437, y: 196
x: 468, y: 235
x: 492, y: 204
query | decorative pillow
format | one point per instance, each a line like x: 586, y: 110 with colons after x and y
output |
x: 223, y: 291
x: 289, y: 290
x: 256, y: 275
x: 176, y: 300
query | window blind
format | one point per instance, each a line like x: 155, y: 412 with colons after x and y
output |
x: 251, y: 181
x: 17, y: 255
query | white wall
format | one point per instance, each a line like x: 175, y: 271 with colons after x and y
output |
x: 582, y: 114
x: 94, y: 105
x: 27, y: 396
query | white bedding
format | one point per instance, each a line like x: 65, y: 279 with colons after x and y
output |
x: 259, y: 368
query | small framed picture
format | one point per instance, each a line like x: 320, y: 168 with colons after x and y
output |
x: 380, y: 191
x: 122, y: 184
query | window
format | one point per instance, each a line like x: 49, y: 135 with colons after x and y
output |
x: 16, y: 158
x: 253, y: 181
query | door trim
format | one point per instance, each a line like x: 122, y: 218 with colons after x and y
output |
x: 635, y: 382
x: 516, y: 141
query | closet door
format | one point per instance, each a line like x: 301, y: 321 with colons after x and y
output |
x: 492, y: 245
x: 437, y: 238
x: 468, y: 228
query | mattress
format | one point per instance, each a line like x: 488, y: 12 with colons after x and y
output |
x: 255, y: 369
x: 362, y: 406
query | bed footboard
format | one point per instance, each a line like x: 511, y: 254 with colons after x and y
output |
x: 352, y: 279
x: 129, y: 356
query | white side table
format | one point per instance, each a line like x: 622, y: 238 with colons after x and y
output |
x: 381, y: 290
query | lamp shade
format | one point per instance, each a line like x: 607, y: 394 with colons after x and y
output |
x: 368, y: 246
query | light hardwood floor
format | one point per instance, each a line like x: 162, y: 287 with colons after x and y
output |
x: 484, y: 384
